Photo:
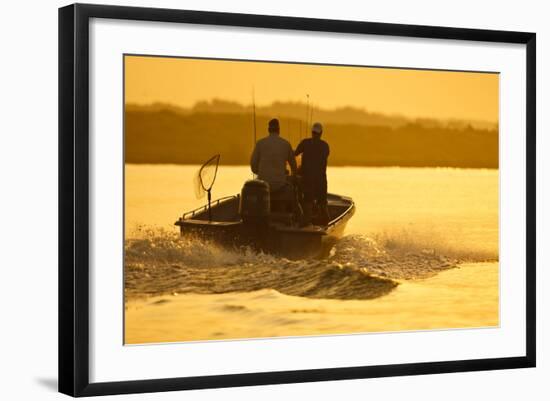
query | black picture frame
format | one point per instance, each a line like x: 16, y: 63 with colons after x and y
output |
x: 74, y: 198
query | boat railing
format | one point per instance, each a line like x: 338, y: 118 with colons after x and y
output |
x: 201, y: 209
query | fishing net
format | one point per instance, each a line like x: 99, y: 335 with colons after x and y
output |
x: 205, y: 176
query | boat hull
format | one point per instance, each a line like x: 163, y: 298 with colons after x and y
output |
x: 227, y: 229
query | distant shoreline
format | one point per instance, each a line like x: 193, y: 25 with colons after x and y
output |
x: 165, y: 136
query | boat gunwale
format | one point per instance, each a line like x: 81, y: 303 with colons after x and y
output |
x: 345, y: 214
x: 203, y: 208
x: 186, y: 219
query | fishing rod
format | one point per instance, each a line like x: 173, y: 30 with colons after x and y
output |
x: 254, y: 119
x: 288, y: 130
x: 307, y: 117
x: 254, y: 113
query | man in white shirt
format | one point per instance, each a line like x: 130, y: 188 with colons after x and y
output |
x: 270, y: 156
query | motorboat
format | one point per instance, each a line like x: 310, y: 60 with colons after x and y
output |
x: 262, y: 220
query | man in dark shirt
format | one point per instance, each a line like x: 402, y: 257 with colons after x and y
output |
x: 314, y: 153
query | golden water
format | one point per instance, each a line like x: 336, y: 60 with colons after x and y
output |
x: 432, y: 218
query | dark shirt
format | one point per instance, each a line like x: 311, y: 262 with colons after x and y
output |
x: 315, y: 153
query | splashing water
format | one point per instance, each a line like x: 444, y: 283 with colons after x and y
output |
x: 358, y: 267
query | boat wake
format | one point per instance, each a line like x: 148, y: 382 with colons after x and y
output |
x: 358, y: 267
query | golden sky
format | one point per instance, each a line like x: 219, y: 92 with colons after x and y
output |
x: 412, y: 93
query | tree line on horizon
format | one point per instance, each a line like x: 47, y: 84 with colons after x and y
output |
x: 167, y: 134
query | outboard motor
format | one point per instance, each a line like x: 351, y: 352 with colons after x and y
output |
x: 255, y: 204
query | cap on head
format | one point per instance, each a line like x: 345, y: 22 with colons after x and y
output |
x: 317, y: 129
x: 273, y: 126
